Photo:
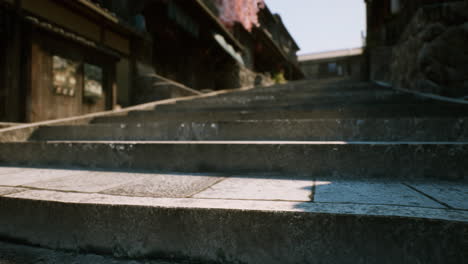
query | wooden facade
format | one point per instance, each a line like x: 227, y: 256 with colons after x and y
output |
x: 68, y: 58
x: 184, y: 47
x: 41, y: 91
x: 275, y: 48
x: 60, y: 59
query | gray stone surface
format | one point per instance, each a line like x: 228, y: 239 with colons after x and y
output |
x: 91, y: 181
x: 9, y: 170
x: 368, y: 192
x: 417, y: 108
x: 20, y: 254
x: 248, y: 188
x: 452, y: 194
x: 29, y: 175
x: 337, y: 208
x: 346, y: 129
x: 307, y: 103
x: 166, y: 185
x: 295, y: 158
x: 251, y: 232
x: 9, y: 190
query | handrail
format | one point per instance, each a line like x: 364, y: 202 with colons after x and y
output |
x: 427, y: 95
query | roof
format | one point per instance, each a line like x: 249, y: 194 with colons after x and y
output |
x: 220, y: 26
x: 279, y: 21
x: 331, y: 54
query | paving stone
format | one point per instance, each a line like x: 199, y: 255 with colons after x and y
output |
x: 8, y: 170
x: 246, y: 205
x: 19, y: 254
x: 28, y: 176
x: 260, y: 189
x: 370, y: 192
x: 452, y: 194
x: 92, y: 181
x: 166, y: 185
x: 9, y: 190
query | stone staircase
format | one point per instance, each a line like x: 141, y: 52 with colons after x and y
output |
x: 356, y: 154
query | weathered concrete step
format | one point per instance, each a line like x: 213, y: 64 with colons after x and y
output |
x: 293, y: 99
x: 262, y: 92
x: 307, y: 85
x: 299, y: 102
x: 397, y: 129
x: 349, y: 159
x: 361, y: 111
x: 15, y: 253
x: 234, y: 231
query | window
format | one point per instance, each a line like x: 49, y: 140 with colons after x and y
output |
x: 332, y: 67
x: 395, y: 6
x: 65, y: 74
x: 93, y: 77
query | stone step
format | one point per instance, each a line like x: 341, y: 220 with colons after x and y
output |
x: 329, y: 92
x: 279, y: 100
x: 315, y: 86
x: 240, y: 219
x: 348, y: 159
x: 299, y: 102
x: 397, y: 129
x: 359, y: 111
x: 14, y: 253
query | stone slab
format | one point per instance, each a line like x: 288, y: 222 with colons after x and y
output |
x: 262, y: 232
x: 259, y: 189
x: 370, y: 192
x: 29, y: 175
x: 452, y: 194
x: 356, y: 111
x: 21, y: 254
x: 9, y: 170
x: 9, y: 190
x: 166, y: 185
x: 410, y: 160
x: 91, y: 181
x: 338, y: 208
x: 376, y: 129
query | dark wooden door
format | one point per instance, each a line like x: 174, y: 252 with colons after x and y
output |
x: 3, y: 38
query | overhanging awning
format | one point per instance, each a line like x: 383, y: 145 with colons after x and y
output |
x: 229, y: 48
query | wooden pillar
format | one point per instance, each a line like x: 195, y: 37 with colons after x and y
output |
x: 15, y: 105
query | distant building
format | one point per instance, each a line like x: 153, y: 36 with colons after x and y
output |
x: 344, y: 64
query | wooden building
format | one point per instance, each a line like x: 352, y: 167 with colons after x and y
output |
x: 60, y: 59
x: 68, y: 58
x: 192, y: 45
x: 275, y: 48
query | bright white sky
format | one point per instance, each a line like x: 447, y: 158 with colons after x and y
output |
x: 322, y: 25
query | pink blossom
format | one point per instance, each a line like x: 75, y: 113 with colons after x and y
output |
x: 242, y: 11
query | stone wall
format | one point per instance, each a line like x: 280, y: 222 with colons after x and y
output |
x: 380, y: 59
x: 432, y: 54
